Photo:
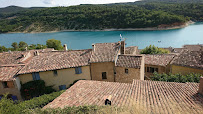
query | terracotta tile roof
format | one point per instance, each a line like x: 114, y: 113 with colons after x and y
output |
x: 7, y: 73
x: 104, y: 52
x: 158, y: 59
x: 174, y: 50
x: 193, y: 59
x: 129, y: 61
x: 193, y: 47
x: 57, y: 60
x: 131, y: 50
x: 12, y: 57
x: 151, y: 94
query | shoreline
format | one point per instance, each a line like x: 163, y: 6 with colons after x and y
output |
x: 114, y: 29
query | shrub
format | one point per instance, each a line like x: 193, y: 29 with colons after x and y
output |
x: 7, y: 106
x: 153, y: 50
x: 56, y: 44
x: 192, y: 77
x: 35, y: 88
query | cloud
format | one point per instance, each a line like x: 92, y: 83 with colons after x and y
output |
x: 48, y: 2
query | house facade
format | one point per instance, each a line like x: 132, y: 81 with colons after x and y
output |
x: 159, y: 63
x: 188, y: 62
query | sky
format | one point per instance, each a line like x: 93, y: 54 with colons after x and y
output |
x: 52, y: 3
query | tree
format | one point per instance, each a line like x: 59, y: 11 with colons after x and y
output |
x: 192, y: 77
x: 22, y: 44
x: 56, y: 44
x: 15, y: 45
x: 153, y: 50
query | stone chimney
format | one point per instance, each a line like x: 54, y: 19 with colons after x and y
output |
x: 123, y: 47
x: 36, y: 53
x: 201, y: 86
x: 65, y: 47
x: 93, y: 47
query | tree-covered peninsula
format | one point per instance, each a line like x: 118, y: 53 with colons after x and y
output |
x: 99, y: 17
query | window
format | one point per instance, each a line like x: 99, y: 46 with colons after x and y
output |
x: 152, y: 69
x: 62, y: 87
x: 35, y: 76
x: 156, y: 69
x: 55, y: 72
x: 78, y: 70
x: 14, y: 98
x: 126, y: 71
x: 104, y: 75
x: 5, y: 84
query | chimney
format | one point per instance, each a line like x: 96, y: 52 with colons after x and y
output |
x: 108, y: 100
x: 123, y: 47
x: 201, y: 86
x: 65, y: 47
x: 93, y: 47
x: 36, y: 53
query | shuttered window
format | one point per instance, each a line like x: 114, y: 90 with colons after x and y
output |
x: 126, y: 71
x: 62, y: 87
x: 35, y: 76
x: 78, y: 70
x: 10, y: 84
x: 104, y: 75
x: 55, y: 72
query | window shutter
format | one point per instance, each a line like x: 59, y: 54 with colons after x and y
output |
x: 62, y: 87
x: 80, y: 70
x: 14, y: 98
x: 37, y: 76
x: 33, y: 76
x: 10, y: 84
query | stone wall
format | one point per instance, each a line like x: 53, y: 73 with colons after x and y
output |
x: 184, y: 70
x: 98, y: 68
x: 123, y: 77
x: 11, y: 90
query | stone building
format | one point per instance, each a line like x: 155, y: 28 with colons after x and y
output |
x: 159, y: 63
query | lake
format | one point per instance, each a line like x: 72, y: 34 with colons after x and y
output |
x: 192, y: 34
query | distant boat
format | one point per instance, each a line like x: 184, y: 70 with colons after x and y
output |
x: 159, y: 41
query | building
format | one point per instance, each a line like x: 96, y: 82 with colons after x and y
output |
x: 105, y: 61
x: 188, y: 62
x: 110, y: 63
x: 159, y: 63
x: 154, y: 96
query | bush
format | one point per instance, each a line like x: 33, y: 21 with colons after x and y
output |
x: 34, y: 89
x: 192, y: 77
x: 7, y: 106
x: 153, y: 50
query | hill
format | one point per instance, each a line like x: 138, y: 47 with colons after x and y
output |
x: 176, y: 1
x: 14, y: 9
x: 99, y: 17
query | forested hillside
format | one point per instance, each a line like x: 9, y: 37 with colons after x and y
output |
x: 14, y: 9
x: 98, y: 17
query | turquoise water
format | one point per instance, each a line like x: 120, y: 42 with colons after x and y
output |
x: 192, y: 34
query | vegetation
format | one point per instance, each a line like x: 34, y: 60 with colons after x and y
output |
x: 56, y: 44
x: 22, y: 46
x: 34, y: 89
x: 154, y: 50
x: 176, y: 77
x: 8, y: 106
x: 129, y: 15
